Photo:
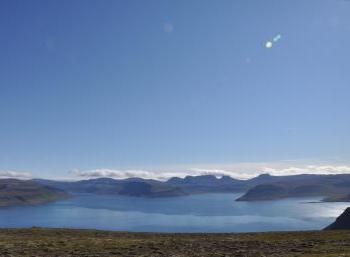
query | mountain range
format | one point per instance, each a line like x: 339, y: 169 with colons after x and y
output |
x: 174, y: 186
x: 262, y: 187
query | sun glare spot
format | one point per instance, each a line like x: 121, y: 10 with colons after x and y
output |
x: 268, y: 44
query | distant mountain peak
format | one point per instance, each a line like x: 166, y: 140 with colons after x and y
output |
x: 103, y: 180
x: 264, y: 175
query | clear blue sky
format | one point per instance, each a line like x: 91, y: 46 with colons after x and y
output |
x: 122, y: 84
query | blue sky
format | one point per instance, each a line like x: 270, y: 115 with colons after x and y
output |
x: 164, y: 85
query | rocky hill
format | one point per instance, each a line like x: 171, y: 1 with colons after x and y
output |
x: 330, y: 187
x: 342, y: 222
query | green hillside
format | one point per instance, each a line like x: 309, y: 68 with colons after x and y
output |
x: 19, y: 192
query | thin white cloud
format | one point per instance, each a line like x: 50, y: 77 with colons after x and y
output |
x: 15, y: 174
x: 122, y: 174
x: 310, y: 169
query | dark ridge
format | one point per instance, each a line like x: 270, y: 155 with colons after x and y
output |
x: 342, y: 222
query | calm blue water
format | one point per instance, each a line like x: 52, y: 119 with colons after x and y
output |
x: 198, y: 213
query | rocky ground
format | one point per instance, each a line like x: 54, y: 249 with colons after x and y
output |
x: 65, y: 242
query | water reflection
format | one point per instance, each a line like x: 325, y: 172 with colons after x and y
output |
x: 198, y: 213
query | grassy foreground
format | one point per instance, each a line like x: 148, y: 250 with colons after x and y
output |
x: 69, y: 242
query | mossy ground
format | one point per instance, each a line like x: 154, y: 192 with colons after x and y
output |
x: 68, y: 242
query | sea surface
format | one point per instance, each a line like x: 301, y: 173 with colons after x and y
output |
x: 196, y: 213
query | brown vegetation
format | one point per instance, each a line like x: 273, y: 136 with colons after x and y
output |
x: 66, y: 242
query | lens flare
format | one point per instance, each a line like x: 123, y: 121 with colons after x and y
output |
x: 268, y: 44
x: 275, y: 39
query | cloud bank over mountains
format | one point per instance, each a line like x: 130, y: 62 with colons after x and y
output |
x: 15, y: 174
x: 239, y: 171
x: 147, y: 174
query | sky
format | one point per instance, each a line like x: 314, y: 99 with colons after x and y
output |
x: 159, y: 88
